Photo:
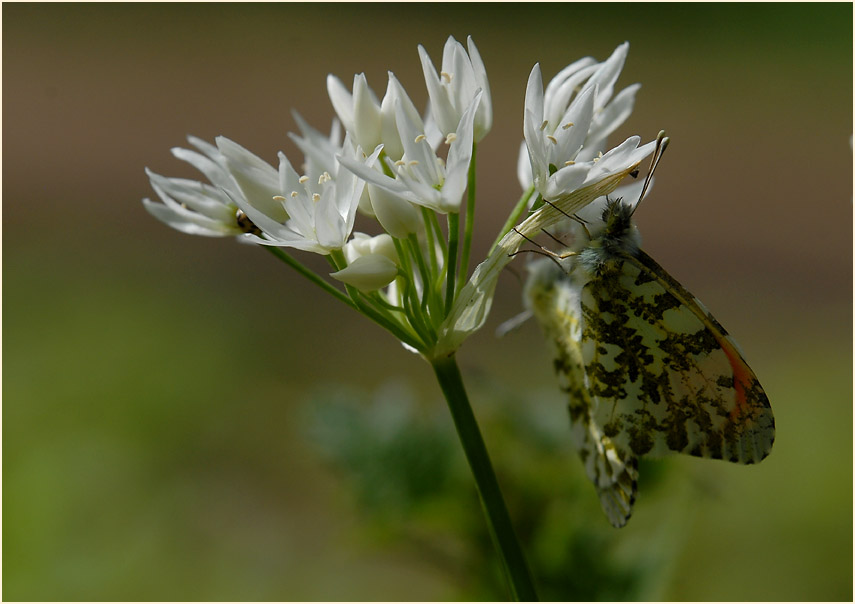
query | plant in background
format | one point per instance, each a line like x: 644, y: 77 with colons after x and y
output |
x: 412, y: 179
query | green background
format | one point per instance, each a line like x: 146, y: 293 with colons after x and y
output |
x: 155, y: 385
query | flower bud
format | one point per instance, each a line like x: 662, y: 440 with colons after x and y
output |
x: 368, y: 273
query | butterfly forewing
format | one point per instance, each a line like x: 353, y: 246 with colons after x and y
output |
x: 661, y: 372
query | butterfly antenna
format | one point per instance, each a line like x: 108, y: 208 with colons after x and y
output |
x: 661, y: 144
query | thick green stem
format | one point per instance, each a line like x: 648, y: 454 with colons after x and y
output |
x: 498, y: 519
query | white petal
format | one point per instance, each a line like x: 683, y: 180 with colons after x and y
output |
x: 459, y: 158
x: 534, y: 96
x: 443, y: 111
x: 608, y: 73
x: 258, y: 180
x: 342, y: 101
x: 368, y: 273
x: 622, y: 157
x: 366, y: 114
x: 396, y: 215
x: 214, y: 172
x: 565, y: 181
x: 484, y: 117
x: 571, y: 138
x: 188, y: 222
x: 524, y: 167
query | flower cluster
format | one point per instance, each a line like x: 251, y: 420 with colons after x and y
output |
x: 406, y: 172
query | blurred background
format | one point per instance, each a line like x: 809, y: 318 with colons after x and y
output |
x: 185, y: 419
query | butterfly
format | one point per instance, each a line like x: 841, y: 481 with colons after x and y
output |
x: 647, y: 368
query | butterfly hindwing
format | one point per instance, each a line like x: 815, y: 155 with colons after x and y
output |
x: 554, y: 299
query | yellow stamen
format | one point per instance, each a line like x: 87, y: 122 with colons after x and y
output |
x: 567, y: 125
x: 420, y: 138
x: 552, y: 139
x: 452, y: 136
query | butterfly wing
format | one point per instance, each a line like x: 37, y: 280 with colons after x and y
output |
x: 662, y: 374
x: 553, y: 296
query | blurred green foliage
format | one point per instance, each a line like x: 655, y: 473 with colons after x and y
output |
x: 404, y: 466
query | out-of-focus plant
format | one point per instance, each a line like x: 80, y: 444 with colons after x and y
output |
x: 398, y: 458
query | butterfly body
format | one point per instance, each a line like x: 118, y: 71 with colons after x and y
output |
x: 647, y: 368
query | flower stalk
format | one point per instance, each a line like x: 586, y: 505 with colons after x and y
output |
x: 498, y: 520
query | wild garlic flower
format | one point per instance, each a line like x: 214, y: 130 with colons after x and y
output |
x: 452, y: 91
x: 319, y: 150
x: 198, y: 208
x: 421, y: 177
x: 369, y: 122
x: 413, y: 170
x: 320, y: 212
x: 566, y: 126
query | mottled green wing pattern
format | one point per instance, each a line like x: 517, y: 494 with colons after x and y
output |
x: 553, y: 297
x: 662, y: 374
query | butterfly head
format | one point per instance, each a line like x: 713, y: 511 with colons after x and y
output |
x: 614, y: 237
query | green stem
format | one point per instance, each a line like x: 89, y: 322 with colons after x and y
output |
x: 309, y: 274
x: 469, y: 223
x: 416, y: 252
x: 451, y: 265
x: 498, y: 519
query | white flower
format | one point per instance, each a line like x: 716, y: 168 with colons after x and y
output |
x: 372, y: 262
x: 195, y: 207
x: 257, y: 180
x: 320, y: 211
x: 420, y: 176
x: 451, y: 92
x: 368, y: 121
x: 566, y: 127
x: 319, y: 150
